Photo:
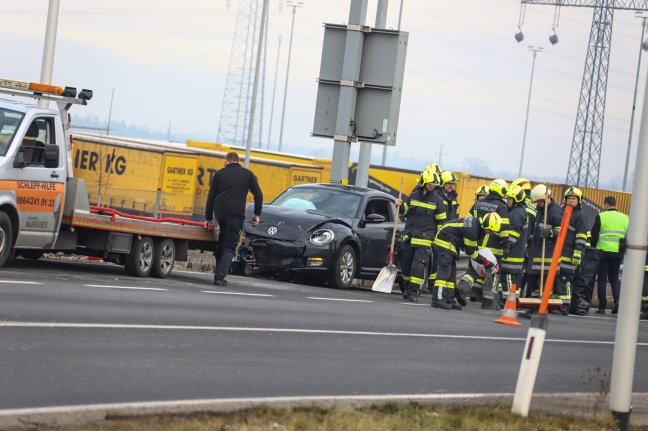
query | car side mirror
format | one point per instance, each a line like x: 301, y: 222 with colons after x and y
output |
x: 51, y: 159
x: 19, y: 158
x: 375, y: 218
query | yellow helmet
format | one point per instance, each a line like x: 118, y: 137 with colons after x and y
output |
x: 481, y: 191
x: 522, y: 182
x: 516, y: 193
x: 499, y: 186
x: 491, y: 221
x: 434, y: 168
x: 574, y: 191
x: 539, y: 193
x: 429, y: 177
x: 448, y: 177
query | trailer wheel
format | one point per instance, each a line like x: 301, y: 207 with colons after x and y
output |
x: 6, y: 238
x: 164, y: 258
x: 139, y: 261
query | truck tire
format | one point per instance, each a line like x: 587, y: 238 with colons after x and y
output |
x: 31, y: 254
x: 164, y: 258
x: 344, y: 269
x: 139, y: 261
x: 6, y: 238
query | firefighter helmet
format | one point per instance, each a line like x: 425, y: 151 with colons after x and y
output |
x: 540, y: 192
x: 481, y: 191
x: 516, y: 193
x: 522, y: 182
x: 574, y: 191
x: 499, y: 187
x: 429, y: 177
x: 448, y: 177
x: 491, y: 221
x: 434, y: 168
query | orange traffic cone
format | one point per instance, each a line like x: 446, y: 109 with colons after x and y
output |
x: 509, y: 313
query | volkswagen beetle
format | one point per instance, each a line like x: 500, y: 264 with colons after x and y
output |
x: 330, y: 232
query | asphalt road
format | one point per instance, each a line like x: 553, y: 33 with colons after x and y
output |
x: 85, y: 333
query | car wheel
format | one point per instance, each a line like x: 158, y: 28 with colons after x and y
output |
x: 164, y: 258
x: 139, y: 261
x: 344, y: 269
x: 6, y: 238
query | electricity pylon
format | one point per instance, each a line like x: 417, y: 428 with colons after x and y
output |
x: 585, y: 158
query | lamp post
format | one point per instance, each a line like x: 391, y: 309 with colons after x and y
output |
x: 274, y: 91
x: 643, y: 46
x: 292, y: 28
x: 526, y: 120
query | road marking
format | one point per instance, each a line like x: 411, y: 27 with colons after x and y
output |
x: 124, y: 287
x: 337, y: 299
x: 10, y: 324
x: 235, y: 293
x: 18, y: 282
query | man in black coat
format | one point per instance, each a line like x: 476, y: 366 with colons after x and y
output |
x: 226, y: 201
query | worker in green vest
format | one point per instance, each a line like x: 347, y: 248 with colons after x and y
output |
x: 609, y: 234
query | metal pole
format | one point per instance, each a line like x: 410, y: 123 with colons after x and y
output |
x: 526, y: 120
x: 364, y: 158
x: 47, y: 65
x: 274, y: 92
x: 283, y: 111
x: 634, y: 103
x: 625, y: 345
x: 110, y: 111
x: 248, y: 145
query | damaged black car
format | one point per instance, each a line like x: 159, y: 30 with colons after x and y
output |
x: 327, y: 232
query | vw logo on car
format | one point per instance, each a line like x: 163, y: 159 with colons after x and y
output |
x: 272, y: 231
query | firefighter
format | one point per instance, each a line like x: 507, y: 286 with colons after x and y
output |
x: 548, y: 232
x: 513, y: 264
x: 459, y: 234
x: 532, y: 214
x: 424, y: 209
x: 498, y: 244
x: 572, y: 252
x: 470, y: 276
x: 449, y: 195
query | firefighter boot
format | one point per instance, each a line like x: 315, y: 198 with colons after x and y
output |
x: 436, y: 302
x: 449, y: 298
x: 460, y: 292
x: 476, y: 294
x: 405, y: 289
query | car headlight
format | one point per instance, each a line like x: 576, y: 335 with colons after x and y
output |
x: 322, y: 237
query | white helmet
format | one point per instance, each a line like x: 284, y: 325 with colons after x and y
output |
x: 540, y: 192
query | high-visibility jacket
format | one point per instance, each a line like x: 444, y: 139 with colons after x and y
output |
x: 493, y: 203
x: 533, y: 214
x: 450, y: 204
x: 576, y: 239
x: 554, y: 219
x: 518, y: 232
x: 461, y: 233
x: 424, y: 210
x: 613, y: 228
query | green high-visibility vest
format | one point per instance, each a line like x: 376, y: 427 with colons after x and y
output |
x: 614, y: 227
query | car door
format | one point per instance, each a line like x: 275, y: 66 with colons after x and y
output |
x: 40, y: 190
x: 376, y: 237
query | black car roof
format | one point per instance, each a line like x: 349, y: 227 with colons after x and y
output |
x: 346, y: 188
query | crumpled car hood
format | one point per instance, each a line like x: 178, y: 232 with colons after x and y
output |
x: 285, y: 224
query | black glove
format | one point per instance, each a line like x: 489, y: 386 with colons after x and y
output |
x: 546, y: 232
x: 506, y: 251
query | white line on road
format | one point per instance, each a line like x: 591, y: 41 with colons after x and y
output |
x: 124, y: 287
x: 10, y: 324
x: 337, y: 299
x: 19, y: 282
x: 235, y: 293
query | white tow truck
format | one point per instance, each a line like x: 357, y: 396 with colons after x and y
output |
x: 43, y: 208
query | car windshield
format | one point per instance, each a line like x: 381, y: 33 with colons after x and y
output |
x: 9, y: 121
x: 321, y: 201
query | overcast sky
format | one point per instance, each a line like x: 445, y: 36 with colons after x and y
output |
x: 466, y: 78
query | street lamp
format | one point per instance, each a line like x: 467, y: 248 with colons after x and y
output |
x: 643, y: 46
x: 293, y: 5
x: 526, y: 121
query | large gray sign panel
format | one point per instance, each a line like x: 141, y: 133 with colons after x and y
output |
x: 380, y: 84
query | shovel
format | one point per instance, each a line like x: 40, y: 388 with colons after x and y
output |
x: 385, y: 281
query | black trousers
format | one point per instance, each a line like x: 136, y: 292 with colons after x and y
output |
x: 228, y: 238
